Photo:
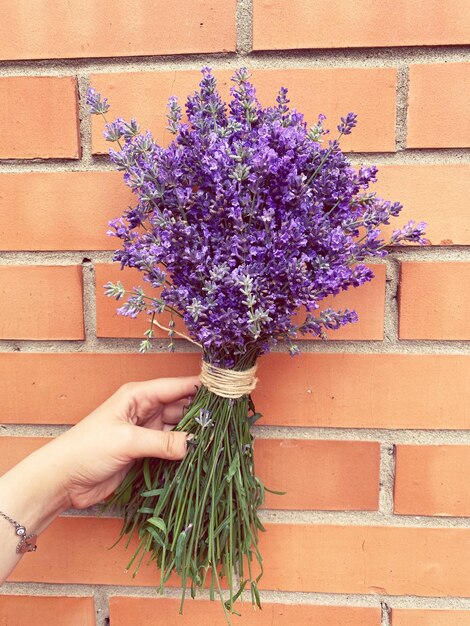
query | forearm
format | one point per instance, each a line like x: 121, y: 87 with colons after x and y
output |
x: 32, y: 494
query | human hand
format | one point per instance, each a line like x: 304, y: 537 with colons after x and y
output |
x: 86, y: 463
x: 135, y: 422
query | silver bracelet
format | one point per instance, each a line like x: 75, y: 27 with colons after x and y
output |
x: 27, y: 542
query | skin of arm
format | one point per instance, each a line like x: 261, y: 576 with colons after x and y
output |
x: 84, y: 465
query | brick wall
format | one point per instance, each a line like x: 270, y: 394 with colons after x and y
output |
x: 369, y: 433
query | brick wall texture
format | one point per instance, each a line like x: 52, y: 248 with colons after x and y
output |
x: 369, y: 433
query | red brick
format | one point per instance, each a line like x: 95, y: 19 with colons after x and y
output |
x: 430, y: 480
x: 144, y: 612
x: 39, y: 117
x: 41, y: 302
x: 435, y: 300
x: 365, y: 390
x: 306, y: 558
x: 55, y: 383
x: 433, y: 194
x: 87, y: 559
x: 438, y: 103
x: 362, y: 23
x: 108, y: 322
x: 39, y: 610
x: 342, y: 475
x: 429, y: 617
x: 318, y: 389
x: 368, y: 301
x: 60, y: 210
x: 366, y: 560
x: 369, y: 92
x: 114, y: 29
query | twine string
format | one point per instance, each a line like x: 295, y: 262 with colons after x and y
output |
x: 228, y: 383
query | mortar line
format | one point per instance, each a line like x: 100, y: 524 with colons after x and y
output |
x: 101, y: 606
x: 89, y: 305
x: 386, y: 437
x: 402, y: 107
x: 100, y: 163
x: 285, y: 597
x: 309, y: 57
x: 387, y: 478
x: 161, y: 346
x: 391, y: 312
x: 244, y: 20
x: 316, y: 517
x: 386, y: 614
x: 363, y: 518
x: 85, y: 121
x: 396, y: 253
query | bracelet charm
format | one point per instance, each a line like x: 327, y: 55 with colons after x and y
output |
x: 27, y: 542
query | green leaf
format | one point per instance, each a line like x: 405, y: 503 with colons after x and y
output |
x: 180, y: 545
x: 158, y: 523
x: 237, y: 595
x: 254, y: 418
x: 146, y: 472
x: 151, y: 493
x: 277, y: 493
x: 261, y: 491
x: 221, y: 527
x: 151, y: 531
x: 255, y: 594
x: 234, y: 465
x: 145, y: 509
x: 126, y: 496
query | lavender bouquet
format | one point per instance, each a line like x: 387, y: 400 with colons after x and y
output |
x: 247, y: 217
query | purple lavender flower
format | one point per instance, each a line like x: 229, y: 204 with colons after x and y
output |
x: 246, y: 217
x: 95, y: 103
x: 410, y: 232
x: 347, y: 123
x: 204, y: 419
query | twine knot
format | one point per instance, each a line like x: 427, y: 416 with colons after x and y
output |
x: 228, y: 383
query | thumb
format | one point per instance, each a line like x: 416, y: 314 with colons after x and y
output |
x: 158, y: 443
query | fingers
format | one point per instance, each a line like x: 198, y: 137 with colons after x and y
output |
x: 151, y: 395
x: 172, y: 413
x: 166, y: 390
x: 157, y: 443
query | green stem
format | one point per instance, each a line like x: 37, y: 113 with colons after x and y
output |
x: 207, y: 501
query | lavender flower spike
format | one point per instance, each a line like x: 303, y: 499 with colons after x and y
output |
x: 96, y: 105
x: 347, y: 123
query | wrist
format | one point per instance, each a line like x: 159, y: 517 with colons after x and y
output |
x: 32, y: 492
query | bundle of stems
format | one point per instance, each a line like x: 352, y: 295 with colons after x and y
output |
x: 198, y: 518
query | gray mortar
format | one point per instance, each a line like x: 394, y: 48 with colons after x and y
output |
x: 399, y: 58
x: 391, y: 307
x: 352, y: 57
x: 244, y: 27
x: 83, y: 83
x: 387, y: 478
x: 276, y: 597
x: 402, y: 107
x: 386, y: 614
x: 89, y: 305
x: 101, y: 606
x: 388, y: 437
